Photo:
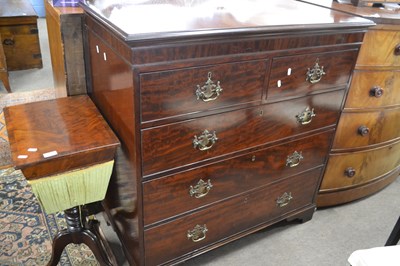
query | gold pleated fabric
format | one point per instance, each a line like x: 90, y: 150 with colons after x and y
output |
x: 70, y: 189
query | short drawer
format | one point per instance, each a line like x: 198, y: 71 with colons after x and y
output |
x: 174, y: 145
x: 372, y: 89
x: 380, y: 48
x: 189, y: 190
x: 351, y: 169
x: 367, y: 128
x: 182, y: 91
x: 179, y: 237
x: 292, y: 76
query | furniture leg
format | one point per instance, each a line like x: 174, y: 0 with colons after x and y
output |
x: 76, y: 233
x: 394, y: 236
x: 5, y: 80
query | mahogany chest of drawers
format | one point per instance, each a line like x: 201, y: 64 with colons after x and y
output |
x: 225, y: 117
x: 365, y: 155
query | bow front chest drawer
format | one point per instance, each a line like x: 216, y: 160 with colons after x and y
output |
x: 225, y: 117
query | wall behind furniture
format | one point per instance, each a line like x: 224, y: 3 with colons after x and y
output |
x: 38, y: 5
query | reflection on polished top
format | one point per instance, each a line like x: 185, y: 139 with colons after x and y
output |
x: 142, y: 19
x: 384, y: 15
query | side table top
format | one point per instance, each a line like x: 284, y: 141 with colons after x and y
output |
x: 58, y: 135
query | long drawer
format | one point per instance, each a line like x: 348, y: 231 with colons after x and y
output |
x: 374, y: 89
x: 220, y: 221
x: 176, y: 92
x: 180, y: 144
x: 357, y: 130
x: 356, y: 168
x: 190, y: 190
x: 289, y: 75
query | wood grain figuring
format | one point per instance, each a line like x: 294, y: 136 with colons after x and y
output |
x: 382, y: 126
x: 230, y: 177
x: 364, y: 164
x: 344, y: 195
x: 241, y: 82
x: 284, y: 83
x: 53, y: 126
x: 360, y: 96
x: 379, y: 49
x: 222, y: 219
x: 171, y: 146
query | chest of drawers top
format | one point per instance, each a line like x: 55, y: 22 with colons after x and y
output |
x: 159, y: 21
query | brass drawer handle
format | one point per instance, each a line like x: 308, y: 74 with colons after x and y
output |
x: 306, y: 116
x: 363, y: 130
x: 209, y: 91
x: 376, y: 91
x: 201, y: 189
x: 198, y: 233
x: 397, y: 49
x: 314, y: 75
x: 8, y: 42
x: 205, y: 141
x: 294, y: 159
x: 350, y: 172
x: 284, y: 200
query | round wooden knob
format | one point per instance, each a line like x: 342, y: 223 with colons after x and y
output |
x: 363, y: 130
x: 350, y: 172
x: 397, y: 49
x: 376, y: 91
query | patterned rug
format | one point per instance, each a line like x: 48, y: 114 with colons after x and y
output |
x: 26, y: 232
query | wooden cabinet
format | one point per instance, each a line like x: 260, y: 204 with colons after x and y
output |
x: 365, y: 153
x: 225, y: 127
x: 64, y: 26
x: 20, y: 35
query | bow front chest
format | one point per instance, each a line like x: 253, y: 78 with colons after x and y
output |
x: 225, y: 112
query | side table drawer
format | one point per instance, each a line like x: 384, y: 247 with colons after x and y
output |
x: 367, y: 128
x: 289, y: 75
x: 180, y: 144
x: 352, y: 169
x: 372, y: 89
x: 178, y: 237
x: 182, y: 91
x: 192, y: 189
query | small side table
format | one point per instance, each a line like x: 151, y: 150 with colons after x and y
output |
x: 65, y: 150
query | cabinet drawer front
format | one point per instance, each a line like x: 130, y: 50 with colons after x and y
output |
x: 371, y: 89
x: 179, y: 144
x: 170, y: 240
x: 378, y: 48
x: 289, y: 74
x: 367, y: 128
x: 184, y: 191
x: 9, y: 31
x: 176, y: 92
x: 352, y: 169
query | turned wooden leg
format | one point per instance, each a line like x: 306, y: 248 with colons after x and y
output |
x: 76, y: 233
